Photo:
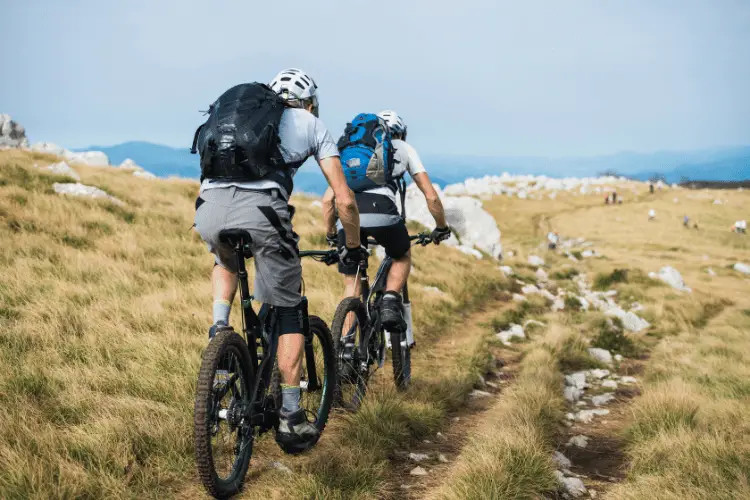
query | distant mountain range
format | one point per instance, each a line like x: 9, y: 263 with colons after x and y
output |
x: 716, y: 164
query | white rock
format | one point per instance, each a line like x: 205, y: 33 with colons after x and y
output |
x: 144, y: 174
x: 441, y: 436
x: 63, y: 168
x: 711, y: 272
x: 742, y: 268
x: 561, y: 460
x: 47, y: 148
x: 542, y: 275
x: 517, y: 297
x: 435, y: 291
x: 572, y: 394
x: 442, y: 458
x: 577, y: 379
x: 535, y: 260
x: 476, y: 393
x: 128, y: 163
x: 533, y: 322
x: 418, y: 471
x: 573, y: 487
x: 470, y: 251
x: 579, y: 441
x: 281, y: 467
x: 473, y: 225
x: 602, y: 399
x: 717, y: 202
x: 418, y: 457
x: 631, y: 321
x: 91, y: 158
x: 506, y: 270
x: 628, y: 380
x: 618, y: 357
x: 588, y: 253
x: 602, y: 355
x: 316, y: 203
x: 587, y: 416
x: 609, y: 384
x: 79, y: 189
x: 529, y: 289
x: 673, y: 278
x: 12, y: 133
x: 599, y: 373
x: 515, y: 331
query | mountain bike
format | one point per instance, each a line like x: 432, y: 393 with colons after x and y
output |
x: 359, y: 335
x: 238, y: 395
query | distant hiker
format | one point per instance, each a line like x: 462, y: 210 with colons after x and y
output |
x: 614, y: 197
x: 651, y: 188
x: 553, y: 238
x: 651, y: 214
x: 686, y: 221
x: 741, y: 226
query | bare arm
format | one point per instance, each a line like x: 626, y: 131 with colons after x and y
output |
x: 329, y: 211
x: 434, y: 205
x: 344, y: 199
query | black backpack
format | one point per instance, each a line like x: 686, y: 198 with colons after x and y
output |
x: 240, y: 139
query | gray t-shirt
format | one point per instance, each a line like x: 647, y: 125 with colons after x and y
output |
x: 301, y: 136
x: 406, y: 161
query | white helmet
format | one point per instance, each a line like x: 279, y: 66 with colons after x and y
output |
x: 296, y: 87
x: 395, y: 123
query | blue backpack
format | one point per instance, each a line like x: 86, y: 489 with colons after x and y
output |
x: 367, y: 153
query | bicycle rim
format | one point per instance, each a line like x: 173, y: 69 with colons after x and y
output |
x: 401, y: 360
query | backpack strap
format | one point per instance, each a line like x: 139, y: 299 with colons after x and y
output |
x: 194, y: 148
x: 401, y: 186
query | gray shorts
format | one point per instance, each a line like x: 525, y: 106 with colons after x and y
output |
x: 268, y: 219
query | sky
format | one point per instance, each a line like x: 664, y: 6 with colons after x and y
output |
x: 486, y: 78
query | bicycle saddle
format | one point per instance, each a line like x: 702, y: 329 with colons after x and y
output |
x: 234, y: 236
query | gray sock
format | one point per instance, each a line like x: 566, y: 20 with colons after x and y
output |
x: 221, y: 311
x: 290, y: 396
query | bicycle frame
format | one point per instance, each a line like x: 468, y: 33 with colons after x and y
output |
x: 261, y: 332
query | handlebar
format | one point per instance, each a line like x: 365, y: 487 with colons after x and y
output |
x: 330, y: 257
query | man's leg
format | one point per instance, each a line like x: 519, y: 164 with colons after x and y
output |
x: 224, y: 283
x: 398, y: 274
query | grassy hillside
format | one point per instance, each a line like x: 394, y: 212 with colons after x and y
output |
x: 104, y: 310
x: 103, y: 317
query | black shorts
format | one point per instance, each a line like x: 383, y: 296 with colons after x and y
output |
x: 394, y: 238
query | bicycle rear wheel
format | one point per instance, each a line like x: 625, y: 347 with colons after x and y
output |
x: 223, y: 439
x: 318, y: 376
x: 401, y: 360
x: 352, y: 357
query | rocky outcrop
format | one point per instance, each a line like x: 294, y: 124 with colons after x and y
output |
x: 78, y: 189
x: 12, y: 133
x: 472, y: 225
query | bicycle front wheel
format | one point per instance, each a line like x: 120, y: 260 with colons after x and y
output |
x: 223, y: 438
x: 352, y: 355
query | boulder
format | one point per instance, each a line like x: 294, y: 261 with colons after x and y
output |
x: 609, y: 384
x: 473, y: 225
x: 535, y: 260
x: 572, y: 394
x: 573, y: 486
x: 515, y: 331
x: 62, y: 168
x: 144, y: 174
x: 742, y: 268
x: 506, y: 270
x: 671, y: 277
x: 561, y: 460
x: 128, y: 163
x: 587, y: 416
x: 79, y: 189
x: 631, y: 321
x: 12, y: 133
x: 577, y: 379
x: 602, y: 399
x: 91, y: 158
x: 579, y: 441
x: 602, y: 355
x: 47, y: 148
x: 598, y: 373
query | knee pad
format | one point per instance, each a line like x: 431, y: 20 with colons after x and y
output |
x: 290, y: 319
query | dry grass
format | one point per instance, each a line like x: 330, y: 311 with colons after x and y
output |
x: 103, y: 314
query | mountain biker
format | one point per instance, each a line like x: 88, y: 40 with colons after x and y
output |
x: 380, y: 219
x: 261, y: 207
